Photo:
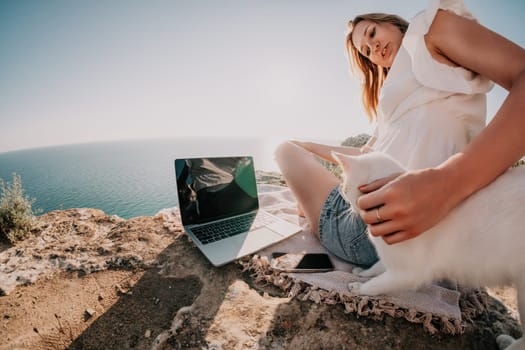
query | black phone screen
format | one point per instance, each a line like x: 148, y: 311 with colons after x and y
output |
x: 297, y: 262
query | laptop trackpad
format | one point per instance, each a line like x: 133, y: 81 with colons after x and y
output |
x: 258, y: 239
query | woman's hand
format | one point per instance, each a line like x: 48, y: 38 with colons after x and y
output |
x: 403, y: 206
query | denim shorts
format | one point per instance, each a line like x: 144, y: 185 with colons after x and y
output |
x: 343, y: 233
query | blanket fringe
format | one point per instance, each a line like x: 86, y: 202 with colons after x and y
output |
x: 473, y: 302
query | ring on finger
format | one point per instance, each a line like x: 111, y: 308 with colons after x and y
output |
x: 378, y: 216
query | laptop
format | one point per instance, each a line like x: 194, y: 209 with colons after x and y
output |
x: 219, y: 208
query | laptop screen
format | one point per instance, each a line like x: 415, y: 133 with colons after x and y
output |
x: 213, y: 188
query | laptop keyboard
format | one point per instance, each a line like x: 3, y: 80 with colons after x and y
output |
x: 216, y: 231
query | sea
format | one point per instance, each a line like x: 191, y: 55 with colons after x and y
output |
x: 125, y: 178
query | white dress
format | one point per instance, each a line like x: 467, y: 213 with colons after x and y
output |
x: 428, y: 110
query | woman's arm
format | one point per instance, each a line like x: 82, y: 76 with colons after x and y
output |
x: 325, y: 151
x: 368, y: 147
x: 417, y: 200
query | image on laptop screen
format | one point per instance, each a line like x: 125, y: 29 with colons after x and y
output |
x: 214, y: 188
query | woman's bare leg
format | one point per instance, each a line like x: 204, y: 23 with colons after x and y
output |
x: 307, y: 178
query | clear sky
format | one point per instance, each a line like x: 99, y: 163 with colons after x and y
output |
x: 82, y: 71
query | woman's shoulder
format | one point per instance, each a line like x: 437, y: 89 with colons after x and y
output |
x: 440, y: 29
x: 422, y: 22
x: 430, y: 66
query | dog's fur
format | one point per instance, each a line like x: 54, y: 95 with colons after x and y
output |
x: 480, y: 243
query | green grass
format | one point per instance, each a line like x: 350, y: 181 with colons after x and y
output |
x: 519, y: 163
x: 17, y: 218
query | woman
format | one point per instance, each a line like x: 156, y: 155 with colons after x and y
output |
x: 419, y: 82
x: 405, y: 209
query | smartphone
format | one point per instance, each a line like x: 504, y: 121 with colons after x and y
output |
x: 301, y: 262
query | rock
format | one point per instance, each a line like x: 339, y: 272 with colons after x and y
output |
x: 356, y: 141
x: 89, y: 313
x: 82, y: 241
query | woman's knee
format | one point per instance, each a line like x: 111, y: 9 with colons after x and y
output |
x: 290, y: 156
x: 283, y: 151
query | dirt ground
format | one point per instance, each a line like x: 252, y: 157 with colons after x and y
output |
x: 109, y: 283
x: 131, y: 309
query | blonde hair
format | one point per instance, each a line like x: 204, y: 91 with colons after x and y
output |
x: 372, y: 75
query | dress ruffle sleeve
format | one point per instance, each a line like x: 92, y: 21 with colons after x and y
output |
x: 430, y: 72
